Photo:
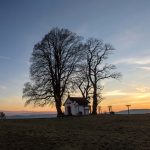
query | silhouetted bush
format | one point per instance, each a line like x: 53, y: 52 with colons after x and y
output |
x: 2, y: 115
x: 112, y: 113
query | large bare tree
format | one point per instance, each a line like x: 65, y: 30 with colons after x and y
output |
x: 98, y: 69
x: 53, y: 63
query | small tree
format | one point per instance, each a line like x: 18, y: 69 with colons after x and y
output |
x: 53, y: 63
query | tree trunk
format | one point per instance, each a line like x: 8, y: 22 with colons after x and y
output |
x: 59, y: 111
x: 94, y: 111
x: 58, y: 108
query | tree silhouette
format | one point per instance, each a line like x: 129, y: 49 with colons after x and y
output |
x: 60, y: 60
x: 53, y: 63
x: 2, y: 115
x: 97, y: 52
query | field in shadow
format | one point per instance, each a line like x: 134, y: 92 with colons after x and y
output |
x: 105, y: 132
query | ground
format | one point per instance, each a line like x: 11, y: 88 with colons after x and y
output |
x: 102, y: 132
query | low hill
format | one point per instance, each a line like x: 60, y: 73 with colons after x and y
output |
x: 134, y: 111
x: 32, y: 116
x: 28, y: 114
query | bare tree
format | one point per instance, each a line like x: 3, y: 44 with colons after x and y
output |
x: 97, y: 53
x: 54, y: 61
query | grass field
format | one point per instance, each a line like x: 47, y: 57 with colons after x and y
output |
x: 105, y: 132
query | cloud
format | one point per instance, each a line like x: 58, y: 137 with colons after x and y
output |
x: 142, y: 89
x: 143, y: 61
x: 144, y: 68
x: 140, y: 94
x: 130, y: 60
x: 124, y: 61
x: 115, y: 93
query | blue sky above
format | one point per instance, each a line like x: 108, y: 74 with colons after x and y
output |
x: 123, y: 23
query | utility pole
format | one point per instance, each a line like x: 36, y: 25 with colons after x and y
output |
x: 128, y: 106
x: 110, y: 109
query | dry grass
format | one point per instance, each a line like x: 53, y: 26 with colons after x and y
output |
x: 105, y: 132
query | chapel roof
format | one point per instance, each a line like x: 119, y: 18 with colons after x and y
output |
x: 80, y: 100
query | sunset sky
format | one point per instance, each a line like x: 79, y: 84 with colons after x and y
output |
x: 123, y: 23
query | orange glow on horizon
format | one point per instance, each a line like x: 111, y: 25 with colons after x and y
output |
x: 104, y: 107
x: 117, y: 99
